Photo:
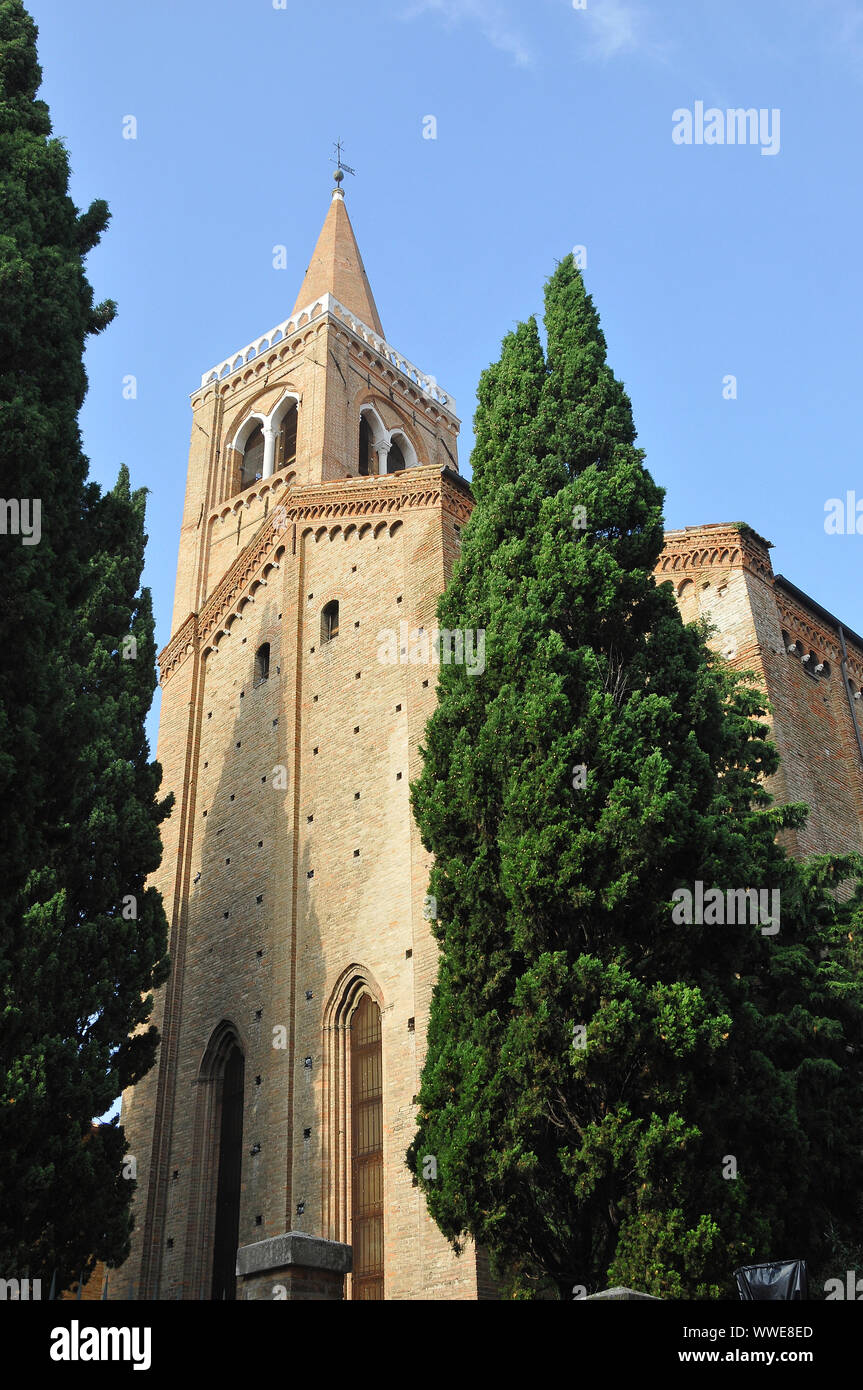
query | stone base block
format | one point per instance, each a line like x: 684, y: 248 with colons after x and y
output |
x: 294, y: 1268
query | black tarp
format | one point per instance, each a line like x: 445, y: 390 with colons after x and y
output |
x: 778, y: 1280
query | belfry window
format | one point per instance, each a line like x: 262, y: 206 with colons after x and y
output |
x: 395, y: 459
x: 286, y: 440
x: 365, y: 468
x: 262, y: 663
x: 330, y: 621
x: 252, y: 467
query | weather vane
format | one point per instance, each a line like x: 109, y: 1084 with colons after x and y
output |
x: 341, y: 167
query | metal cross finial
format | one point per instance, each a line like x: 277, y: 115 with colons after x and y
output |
x: 341, y: 167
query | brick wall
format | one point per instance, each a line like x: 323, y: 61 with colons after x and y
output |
x: 724, y: 573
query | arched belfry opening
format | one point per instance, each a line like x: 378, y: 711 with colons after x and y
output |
x: 365, y: 460
x: 252, y: 466
x: 372, y: 437
x: 395, y: 459
x: 286, y: 436
x: 402, y: 453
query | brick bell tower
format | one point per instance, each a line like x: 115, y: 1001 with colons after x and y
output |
x: 323, y: 505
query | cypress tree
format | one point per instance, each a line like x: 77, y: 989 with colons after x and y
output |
x: 593, y: 1065
x: 82, y: 941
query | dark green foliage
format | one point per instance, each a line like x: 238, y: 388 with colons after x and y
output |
x: 580, y: 1165
x: 82, y: 942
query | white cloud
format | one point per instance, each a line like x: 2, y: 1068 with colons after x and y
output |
x: 606, y: 28
x: 613, y: 27
x: 490, y: 17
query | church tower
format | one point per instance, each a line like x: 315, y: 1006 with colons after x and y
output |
x: 322, y: 514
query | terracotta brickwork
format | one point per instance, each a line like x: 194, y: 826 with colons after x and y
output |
x: 93, y: 1290
x: 337, y: 268
x: 723, y: 573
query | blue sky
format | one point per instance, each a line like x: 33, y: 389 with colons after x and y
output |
x: 554, y: 129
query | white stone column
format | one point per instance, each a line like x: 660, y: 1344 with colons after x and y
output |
x: 383, y: 448
x: 269, y: 450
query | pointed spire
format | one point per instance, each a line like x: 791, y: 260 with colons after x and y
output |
x: 337, y: 268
